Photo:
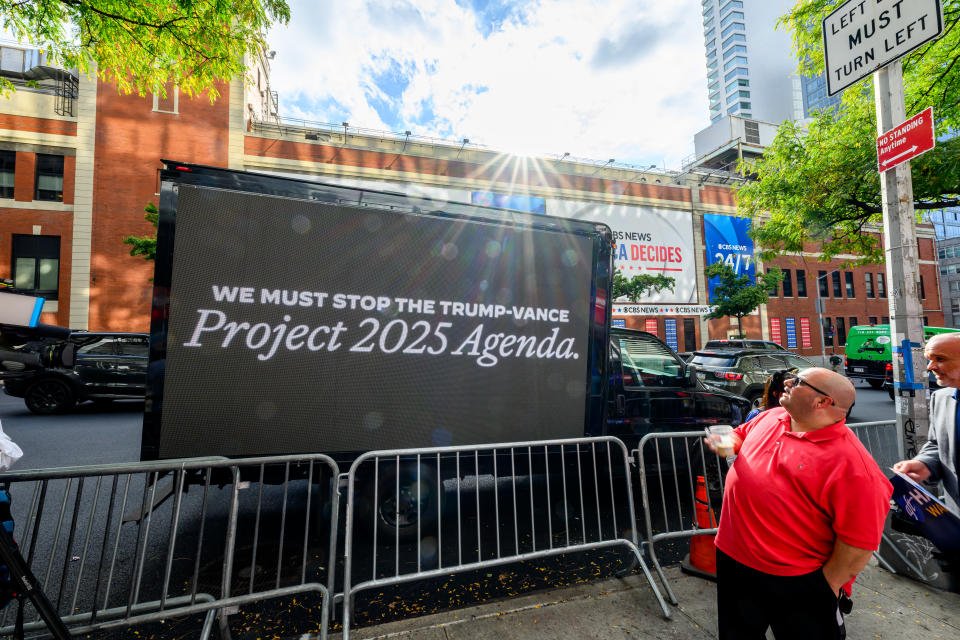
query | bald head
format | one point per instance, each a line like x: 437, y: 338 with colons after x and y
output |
x: 943, y: 358
x: 949, y: 341
x: 833, y: 384
x: 817, y: 398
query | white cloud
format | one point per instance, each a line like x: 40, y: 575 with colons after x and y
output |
x: 621, y: 79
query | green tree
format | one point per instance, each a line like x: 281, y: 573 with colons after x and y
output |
x: 820, y: 182
x: 144, y: 45
x: 734, y: 295
x: 640, y: 285
x: 145, y: 246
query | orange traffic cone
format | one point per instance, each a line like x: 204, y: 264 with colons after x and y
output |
x: 702, y: 559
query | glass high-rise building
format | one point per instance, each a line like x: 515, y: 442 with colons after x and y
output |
x: 751, y: 67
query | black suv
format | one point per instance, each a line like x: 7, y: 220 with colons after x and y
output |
x: 651, y: 389
x: 759, y: 345
x: 745, y: 371
x: 106, y: 366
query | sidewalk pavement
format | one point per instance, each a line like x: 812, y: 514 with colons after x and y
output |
x: 885, y: 606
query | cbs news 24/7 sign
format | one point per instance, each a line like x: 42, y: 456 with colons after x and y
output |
x: 861, y: 36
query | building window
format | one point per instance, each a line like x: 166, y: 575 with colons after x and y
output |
x: 853, y: 321
x: 36, y: 265
x: 737, y: 37
x: 923, y: 290
x: 822, y: 285
x: 873, y: 320
x: 801, y: 283
x: 773, y: 290
x: 787, y: 284
x: 886, y: 319
x: 841, y: 332
x: 837, y: 291
x: 8, y: 163
x: 733, y: 74
x: 827, y: 332
x: 169, y: 103
x: 868, y: 282
x: 955, y: 306
x: 881, y: 286
x: 730, y: 28
x: 49, y: 183
x: 848, y: 277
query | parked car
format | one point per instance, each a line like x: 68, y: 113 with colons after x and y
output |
x: 888, y: 380
x: 745, y: 371
x: 106, y: 367
x: 760, y: 345
x: 652, y: 389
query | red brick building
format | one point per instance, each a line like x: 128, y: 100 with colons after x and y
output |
x: 76, y: 174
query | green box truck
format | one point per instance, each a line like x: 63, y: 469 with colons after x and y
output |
x: 868, y: 351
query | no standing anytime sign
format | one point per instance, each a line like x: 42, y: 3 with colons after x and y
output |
x: 861, y: 36
x: 906, y: 140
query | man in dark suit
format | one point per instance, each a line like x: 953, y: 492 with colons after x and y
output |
x: 937, y: 459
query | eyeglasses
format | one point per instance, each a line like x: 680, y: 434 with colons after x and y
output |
x: 796, y: 381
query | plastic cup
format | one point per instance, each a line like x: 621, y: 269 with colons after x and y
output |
x: 722, y: 437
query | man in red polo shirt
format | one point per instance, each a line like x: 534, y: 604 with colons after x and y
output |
x: 803, y: 510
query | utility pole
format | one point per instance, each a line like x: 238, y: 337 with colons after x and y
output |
x: 906, y: 311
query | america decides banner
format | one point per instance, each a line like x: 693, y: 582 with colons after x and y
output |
x: 648, y: 239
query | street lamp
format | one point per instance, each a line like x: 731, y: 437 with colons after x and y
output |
x: 819, y: 306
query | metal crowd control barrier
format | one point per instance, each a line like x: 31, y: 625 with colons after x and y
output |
x: 423, y: 513
x: 883, y: 441
x: 668, y: 464
x: 115, y: 546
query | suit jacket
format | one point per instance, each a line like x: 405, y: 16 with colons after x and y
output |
x: 940, y: 451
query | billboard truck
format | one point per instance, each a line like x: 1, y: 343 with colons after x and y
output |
x: 295, y: 317
x: 868, y: 351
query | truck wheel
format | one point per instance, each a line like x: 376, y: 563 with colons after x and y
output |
x: 875, y: 384
x: 404, y: 500
x: 49, y: 395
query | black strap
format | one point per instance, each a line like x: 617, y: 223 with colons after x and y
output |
x: 18, y: 628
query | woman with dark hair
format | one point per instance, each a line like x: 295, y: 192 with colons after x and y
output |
x: 772, y: 391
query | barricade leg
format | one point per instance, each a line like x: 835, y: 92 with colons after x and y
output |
x: 653, y: 585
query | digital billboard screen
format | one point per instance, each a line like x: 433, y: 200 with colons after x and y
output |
x: 284, y: 325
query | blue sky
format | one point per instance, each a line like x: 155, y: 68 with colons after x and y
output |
x: 598, y: 79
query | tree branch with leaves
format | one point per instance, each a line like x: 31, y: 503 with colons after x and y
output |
x: 639, y: 286
x: 145, y: 246
x: 819, y: 182
x: 143, y: 46
x: 737, y: 295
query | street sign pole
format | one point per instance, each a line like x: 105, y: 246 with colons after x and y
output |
x: 900, y: 242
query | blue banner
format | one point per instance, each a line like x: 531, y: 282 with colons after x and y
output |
x: 529, y: 204
x: 670, y: 333
x: 938, y: 525
x: 728, y: 241
x: 791, y: 333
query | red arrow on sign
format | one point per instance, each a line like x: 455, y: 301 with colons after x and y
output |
x: 906, y: 141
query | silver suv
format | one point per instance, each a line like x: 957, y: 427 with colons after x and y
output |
x: 744, y: 371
